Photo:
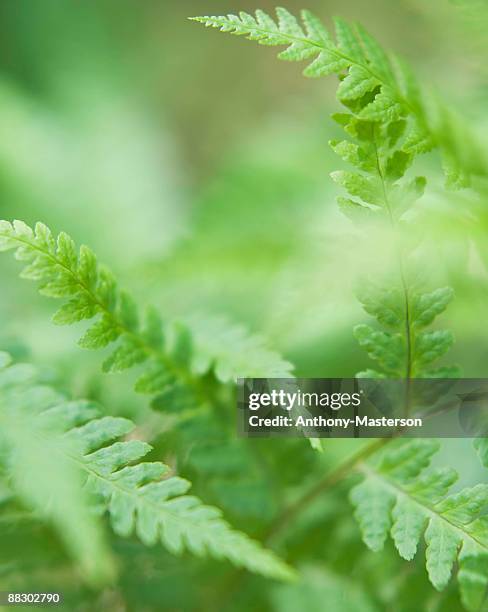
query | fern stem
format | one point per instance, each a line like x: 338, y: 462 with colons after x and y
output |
x: 408, y: 335
x: 329, y: 480
x: 234, y: 583
x: 408, y: 326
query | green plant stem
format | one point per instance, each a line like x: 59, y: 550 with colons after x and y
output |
x: 408, y: 326
x: 329, y: 480
x: 408, y: 335
x: 234, y: 582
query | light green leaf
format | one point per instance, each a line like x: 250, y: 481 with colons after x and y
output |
x: 75, y: 310
x: 316, y: 31
x: 127, y: 354
x: 406, y: 461
x: 365, y: 187
x: 356, y: 212
x: 43, y: 477
x: 373, y: 509
x: 347, y: 41
x: 384, y: 108
x: 155, y: 379
x: 442, y: 548
x: 432, y: 345
x: 433, y: 486
x: 388, y: 349
x: 233, y: 351
x: 354, y: 154
x: 398, y: 481
x: 326, y: 63
x: 462, y: 506
x: 408, y: 525
x: 427, y: 306
x: 357, y: 83
x: 100, y: 334
x: 55, y: 446
x: 387, y: 305
x: 378, y: 60
x: 288, y: 24
x: 473, y: 576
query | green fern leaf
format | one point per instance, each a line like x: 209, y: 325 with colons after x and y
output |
x: 386, y: 348
x: 355, y: 211
x: 473, y: 570
x: 427, y: 306
x: 315, y: 29
x: 397, y: 93
x: 139, y: 497
x: 383, y: 108
x: 357, y: 83
x: 481, y: 446
x: 373, y: 507
x: 364, y: 187
x: 41, y: 475
x: 398, y: 496
x: 430, y: 346
x: 390, y: 349
x: 233, y: 352
x: 172, y: 361
x: 385, y: 304
x: 376, y: 56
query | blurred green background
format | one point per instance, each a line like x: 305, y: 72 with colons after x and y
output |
x: 197, y: 167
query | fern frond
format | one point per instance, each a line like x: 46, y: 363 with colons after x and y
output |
x: 397, y: 354
x: 173, y: 363
x: 44, y: 480
x: 386, y: 85
x: 382, y: 193
x: 398, y: 495
x: 91, y: 291
x: 157, y: 509
x: 232, y: 352
x: 140, y: 497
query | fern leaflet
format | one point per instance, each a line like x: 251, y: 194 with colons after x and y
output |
x: 140, y: 497
x: 398, y: 495
x: 174, y: 363
x: 42, y: 479
x: 402, y: 353
x: 386, y: 128
x: 366, y: 71
x: 232, y: 352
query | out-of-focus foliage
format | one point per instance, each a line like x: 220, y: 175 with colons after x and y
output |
x: 207, y: 191
x: 389, y: 126
x: 170, y: 358
x: 51, y: 445
x: 36, y: 460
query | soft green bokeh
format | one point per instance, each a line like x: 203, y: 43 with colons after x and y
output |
x: 197, y: 167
